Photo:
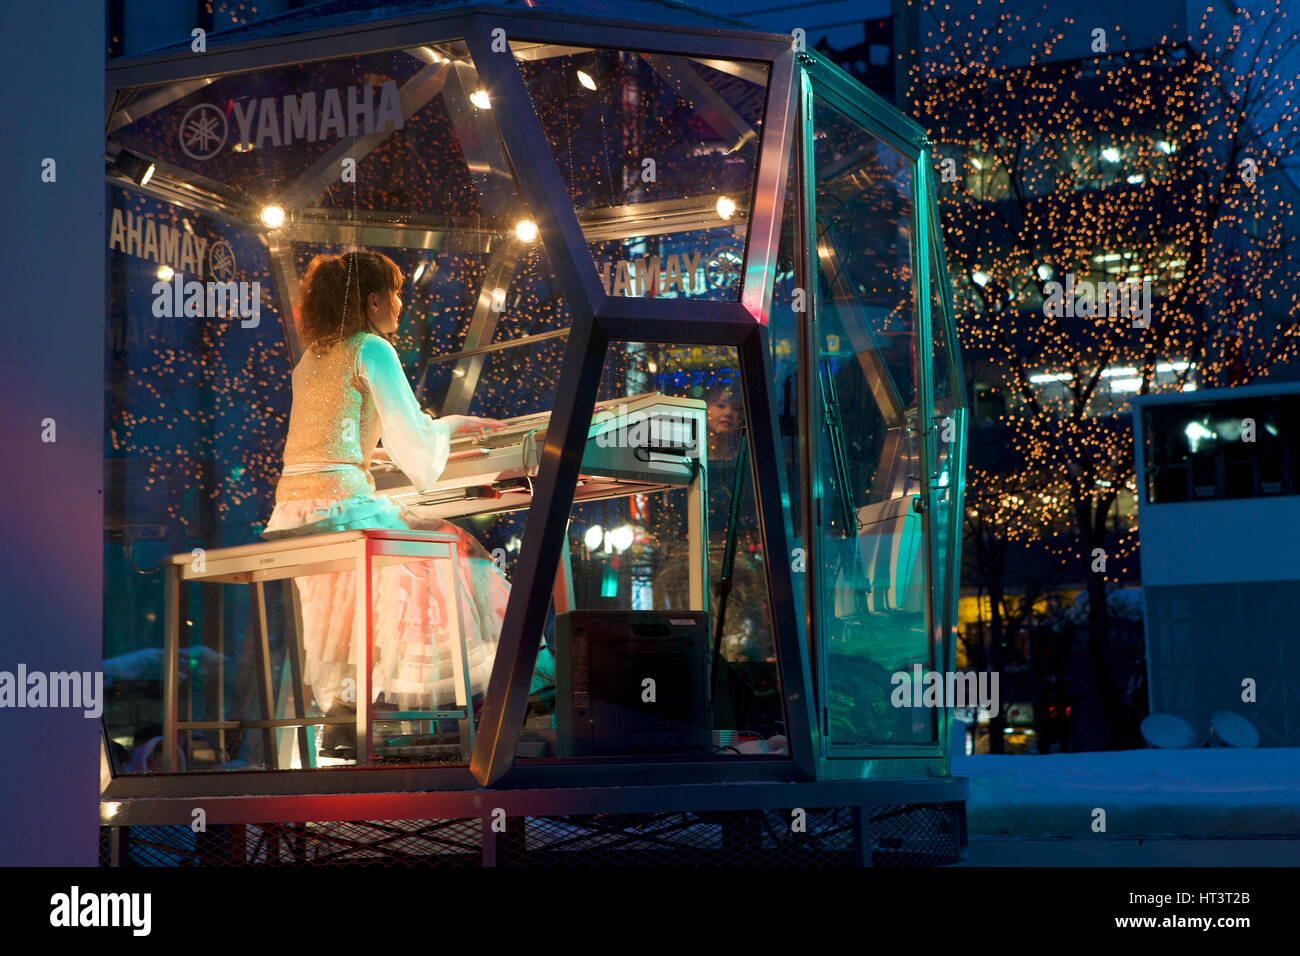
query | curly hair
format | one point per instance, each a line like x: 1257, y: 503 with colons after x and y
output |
x: 333, y: 289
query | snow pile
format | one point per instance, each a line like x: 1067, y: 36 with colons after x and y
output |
x: 1204, y: 792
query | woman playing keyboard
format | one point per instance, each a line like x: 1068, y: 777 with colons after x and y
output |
x: 349, y: 393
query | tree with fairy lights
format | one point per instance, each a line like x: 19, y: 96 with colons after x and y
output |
x: 1003, y: 513
x: 1119, y: 223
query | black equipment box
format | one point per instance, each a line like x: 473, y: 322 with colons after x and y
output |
x: 604, y: 661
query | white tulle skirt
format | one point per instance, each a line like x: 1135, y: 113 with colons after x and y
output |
x: 413, y: 627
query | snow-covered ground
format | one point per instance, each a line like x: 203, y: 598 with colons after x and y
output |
x: 1210, y: 792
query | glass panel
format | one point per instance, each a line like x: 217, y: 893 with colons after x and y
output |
x: 942, y: 373
x: 403, y: 115
x: 639, y: 578
x: 195, y: 413
x: 784, y: 328
x: 198, y: 405
x: 945, y: 452
x: 1237, y: 448
x: 659, y: 153
x: 870, y: 554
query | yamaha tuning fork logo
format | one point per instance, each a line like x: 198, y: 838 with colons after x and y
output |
x: 184, y: 288
x: 203, y: 131
x: 684, y: 273
x: 179, y: 248
x: 205, y: 128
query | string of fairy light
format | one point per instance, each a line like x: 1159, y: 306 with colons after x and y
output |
x: 1116, y: 165
x: 202, y: 406
x: 225, y: 444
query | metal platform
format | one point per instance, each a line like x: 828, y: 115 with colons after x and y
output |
x: 901, y: 822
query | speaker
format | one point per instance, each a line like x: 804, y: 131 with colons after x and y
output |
x: 632, y: 682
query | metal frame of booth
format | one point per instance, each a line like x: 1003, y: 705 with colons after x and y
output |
x: 598, y: 319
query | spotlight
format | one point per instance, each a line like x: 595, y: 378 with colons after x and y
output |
x: 1044, y: 272
x: 593, y: 71
x: 1110, y: 154
x: 981, y: 278
x: 526, y: 230
x: 135, y: 167
x: 594, y: 536
x: 725, y: 207
x: 273, y: 216
x: 165, y: 273
x: 480, y: 99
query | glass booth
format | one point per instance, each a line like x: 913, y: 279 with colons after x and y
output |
x: 700, y: 276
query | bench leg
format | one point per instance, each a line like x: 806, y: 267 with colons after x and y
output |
x: 293, y: 650
x: 460, y: 660
x: 284, y: 704
x: 264, y: 672
x: 363, y: 650
x: 183, y: 624
x: 171, y: 663
x: 212, y: 639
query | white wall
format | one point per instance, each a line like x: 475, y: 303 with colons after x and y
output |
x: 1208, y: 542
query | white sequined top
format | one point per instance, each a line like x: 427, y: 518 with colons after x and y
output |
x: 347, y: 398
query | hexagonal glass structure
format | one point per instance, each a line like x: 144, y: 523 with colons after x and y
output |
x: 586, y: 212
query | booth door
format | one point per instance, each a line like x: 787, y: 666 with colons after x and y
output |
x: 870, y: 553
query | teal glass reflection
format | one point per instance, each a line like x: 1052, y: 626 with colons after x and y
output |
x: 946, y: 437
x: 870, y: 548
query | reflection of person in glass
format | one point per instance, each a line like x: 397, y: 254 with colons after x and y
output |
x: 349, y: 392
x: 724, y: 417
x: 746, y: 631
x: 746, y: 635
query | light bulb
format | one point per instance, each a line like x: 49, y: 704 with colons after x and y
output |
x: 621, y: 538
x: 273, y: 216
